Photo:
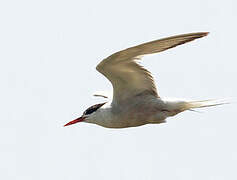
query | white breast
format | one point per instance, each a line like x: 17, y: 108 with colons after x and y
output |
x: 136, y: 112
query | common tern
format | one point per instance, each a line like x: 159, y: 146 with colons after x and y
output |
x: 135, y: 99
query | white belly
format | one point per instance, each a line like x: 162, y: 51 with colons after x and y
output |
x: 131, y: 115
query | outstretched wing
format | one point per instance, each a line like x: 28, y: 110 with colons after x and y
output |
x: 127, y: 76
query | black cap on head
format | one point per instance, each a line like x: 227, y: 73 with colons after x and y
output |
x: 92, y: 108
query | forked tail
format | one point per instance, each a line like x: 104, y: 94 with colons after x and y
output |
x: 206, y: 103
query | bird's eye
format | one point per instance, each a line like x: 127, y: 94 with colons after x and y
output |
x: 89, y: 111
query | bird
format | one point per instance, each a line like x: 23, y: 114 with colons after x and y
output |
x: 135, y: 100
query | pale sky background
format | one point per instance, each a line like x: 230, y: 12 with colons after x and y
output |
x: 48, y: 53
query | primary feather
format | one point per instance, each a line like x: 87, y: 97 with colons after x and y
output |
x: 127, y: 76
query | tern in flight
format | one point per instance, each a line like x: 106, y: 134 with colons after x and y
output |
x: 135, y: 99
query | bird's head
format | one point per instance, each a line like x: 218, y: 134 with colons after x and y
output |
x: 87, y: 113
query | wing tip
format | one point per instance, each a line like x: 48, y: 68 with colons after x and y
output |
x: 204, y: 33
x: 200, y: 34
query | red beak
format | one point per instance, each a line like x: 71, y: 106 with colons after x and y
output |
x: 80, y: 119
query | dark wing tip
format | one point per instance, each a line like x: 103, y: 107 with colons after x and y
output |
x: 202, y: 34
